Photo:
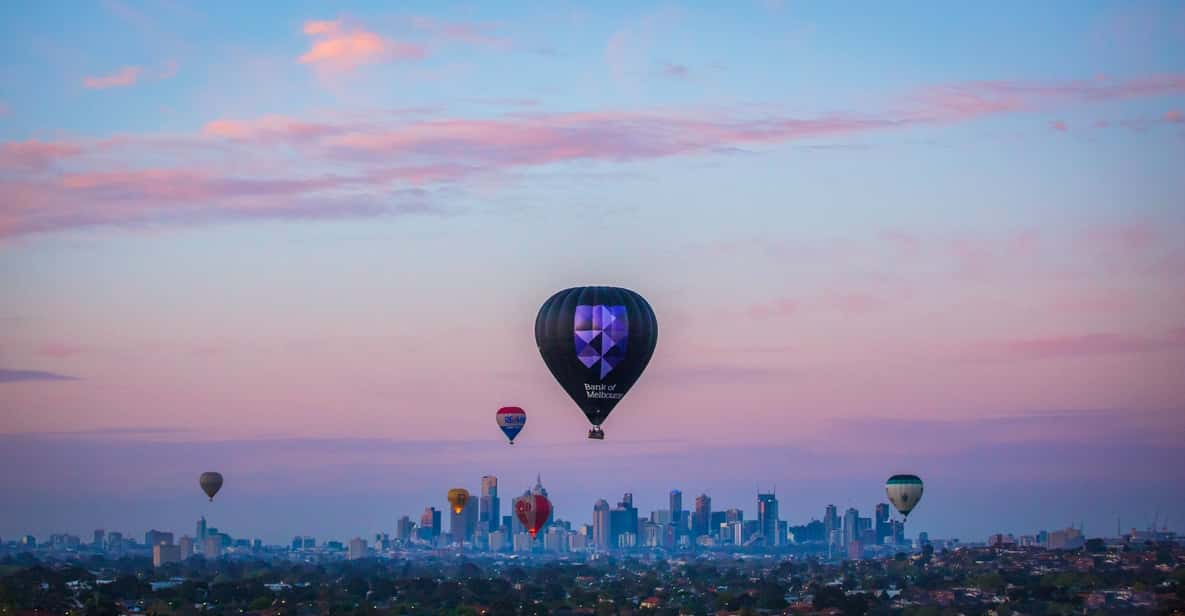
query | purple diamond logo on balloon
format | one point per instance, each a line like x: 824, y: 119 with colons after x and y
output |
x: 601, y: 333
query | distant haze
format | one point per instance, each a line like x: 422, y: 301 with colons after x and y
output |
x: 305, y: 245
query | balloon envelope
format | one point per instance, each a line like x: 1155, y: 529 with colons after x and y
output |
x: 211, y: 482
x: 904, y: 491
x: 596, y: 341
x: 533, y: 511
x: 457, y: 497
x: 511, y: 419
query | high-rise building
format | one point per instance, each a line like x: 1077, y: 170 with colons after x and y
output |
x: 185, y: 543
x: 463, y: 525
x: 602, y: 528
x: 851, y: 526
x: 490, y: 514
x: 701, y: 519
x: 212, y: 547
x: 115, y: 542
x: 430, y: 524
x: 830, y: 519
x: 403, y: 529
x: 165, y: 553
x: 734, y: 515
x: 767, y: 518
x: 676, y: 501
x: 158, y: 537
x: 100, y: 539
x: 883, y: 528
x: 623, y: 519
x: 201, y: 530
x: 357, y: 549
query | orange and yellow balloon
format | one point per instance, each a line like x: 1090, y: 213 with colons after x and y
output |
x: 457, y: 497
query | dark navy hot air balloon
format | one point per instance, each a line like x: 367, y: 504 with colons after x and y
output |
x: 596, y: 341
x: 511, y: 419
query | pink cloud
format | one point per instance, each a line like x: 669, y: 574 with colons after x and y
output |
x: 125, y: 76
x: 480, y: 35
x: 35, y: 155
x: 341, y: 49
x: 1059, y: 126
x: 969, y: 100
x: 1083, y: 345
x: 1174, y: 117
x: 60, y: 350
x: 186, y: 184
x: 267, y: 128
x: 774, y: 309
x: 852, y: 303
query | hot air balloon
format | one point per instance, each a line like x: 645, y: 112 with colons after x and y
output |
x: 457, y: 497
x: 596, y: 341
x: 533, y: 510
x: 904, y: 492
x: 511, y: 419
x: 211, y: 482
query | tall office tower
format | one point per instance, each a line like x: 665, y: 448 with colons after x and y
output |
x: 490, y: 515
x: 851, y: 526
x: 403, y: 528
x: 430, y: 524
x: 186, y: 545
x: 602, y: 528
x: 883, y: 528
x: 677, y: 509
x: 212, y: 547
x: 830, y: 519
x: 703, y: 515
x: 115, y: 542
x: 623, y: 520
x: 357, y: 549
x: 767, y: 519
x: 201, y: 530
x: 158, y: 537
x: 100, y: 538
x: 163, y: 554
x: 516, y: 525
x: 458, y: 522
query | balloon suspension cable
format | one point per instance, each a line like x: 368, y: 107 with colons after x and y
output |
x: 596, y: 433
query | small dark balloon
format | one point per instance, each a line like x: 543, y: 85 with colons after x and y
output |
x: 211, y: 482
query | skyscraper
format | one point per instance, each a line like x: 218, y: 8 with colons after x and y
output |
x: 100, y: 538
x: 461, y: 525
x: 830, y: 519
x: 623, y: 520
x: 201, y: 531
x: 677, y: 510
x: 186, y: 545
x: 883, y: 528
x: 851, y: 526
x: 767, y: 518
x: 357, y: 548
x: 702, y: 516
x: 602, y: 529
x: 158, y: 537
x: 403, y: 529
x: 430, y: 524
x: 490, y: 515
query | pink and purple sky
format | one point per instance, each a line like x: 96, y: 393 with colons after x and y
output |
x: 305, y: 244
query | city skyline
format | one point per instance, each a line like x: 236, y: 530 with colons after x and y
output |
x: 305, y: 246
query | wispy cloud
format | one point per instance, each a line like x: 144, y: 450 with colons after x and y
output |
x: 674, y: 71
x: 125, y: 76
x: 35, y: 155
x: 101, y: 188
x: 1076, y: 345
x: 20, y: 376
x: 338, y: 47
